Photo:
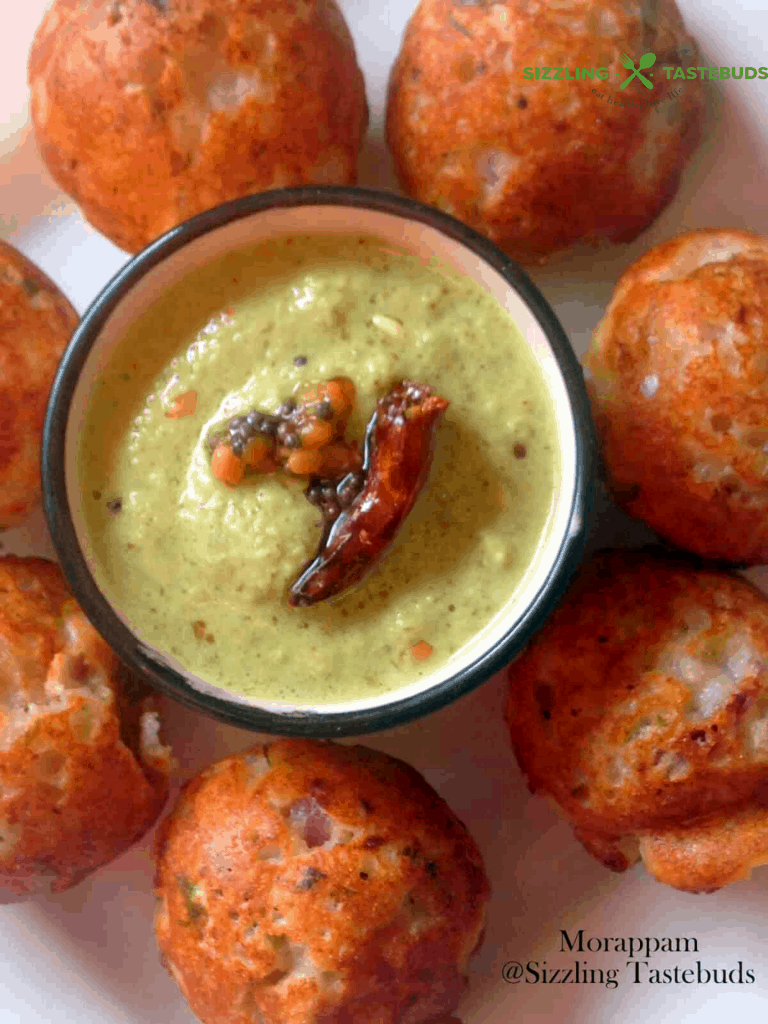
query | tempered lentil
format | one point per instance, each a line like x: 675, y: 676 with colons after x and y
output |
x: 295, y: 426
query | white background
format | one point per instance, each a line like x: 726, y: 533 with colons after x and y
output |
x: 89, y: 955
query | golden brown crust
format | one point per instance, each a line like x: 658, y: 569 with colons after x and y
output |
x: 36, y: 322
x: 307, y: 882
x: 710, y: 854
x: 540, y: 165
x: 680, y: 392
x: 148, y: 113
x: 642, y: 706
x: 73, y: 796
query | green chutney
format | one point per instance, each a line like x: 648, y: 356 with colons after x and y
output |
x: 201, y: 570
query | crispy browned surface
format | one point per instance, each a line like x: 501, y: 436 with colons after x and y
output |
x: 303, y: 883
x: 72, y: 794
x: 149, y: 112
x: 642, y: 706
x: 690, y: 319
x: 36, y: 322
x: 539, y: 165
x: 710, y: 854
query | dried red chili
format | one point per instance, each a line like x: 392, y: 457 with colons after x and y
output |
x: 399, y: 445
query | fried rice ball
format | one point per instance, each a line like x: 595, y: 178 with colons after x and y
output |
x: 306, y: 882
x: 149, y: 111
x: 642, y: 709
x: 679, y: 391
x: 36, y: 322
x: 83, y: 773
x: 539, y: 165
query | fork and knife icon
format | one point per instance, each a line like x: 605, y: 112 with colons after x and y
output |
x: 646, y: 61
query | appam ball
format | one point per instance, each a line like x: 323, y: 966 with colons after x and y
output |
x: 36, y: 322
x: 83, y: 772
x: 149, y: 111
x: 311, y: 883
x: 641, y: 709
x: 538, y: 165
x: 679, y: 392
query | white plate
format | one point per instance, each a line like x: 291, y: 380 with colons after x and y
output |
x: 89, y: 954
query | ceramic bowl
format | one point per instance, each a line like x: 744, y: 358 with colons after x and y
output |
x: 426, y: 233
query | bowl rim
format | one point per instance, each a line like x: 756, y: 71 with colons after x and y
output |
x: 313, y: 723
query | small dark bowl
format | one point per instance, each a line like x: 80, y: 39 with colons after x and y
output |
x: 326, y: 210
